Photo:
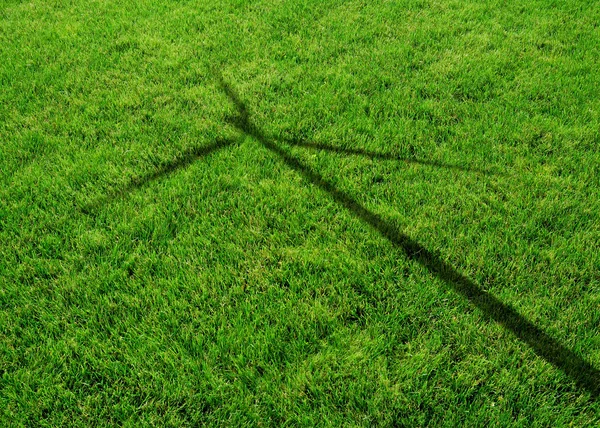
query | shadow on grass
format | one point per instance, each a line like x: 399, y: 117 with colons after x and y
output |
x: 185, y: 159
x: 383, y: 156
x: 582, y: 372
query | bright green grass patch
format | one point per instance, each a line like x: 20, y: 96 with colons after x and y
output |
x: 301, y: 212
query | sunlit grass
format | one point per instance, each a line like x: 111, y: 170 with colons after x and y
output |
x: 244, y: 212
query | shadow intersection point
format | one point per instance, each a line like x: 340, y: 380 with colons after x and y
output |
x: 583, y: 373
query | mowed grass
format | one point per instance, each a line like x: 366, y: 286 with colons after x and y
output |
x: 299, y: 212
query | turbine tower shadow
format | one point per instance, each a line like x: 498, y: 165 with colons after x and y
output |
x: 583, y: 373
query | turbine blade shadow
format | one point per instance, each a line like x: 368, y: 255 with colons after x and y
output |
x: 185, y: 159
x: 583, y: 373
x: 384, y: 156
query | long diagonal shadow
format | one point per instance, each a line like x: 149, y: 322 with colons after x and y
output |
x: 383, y: 156
x: 182, y: 161
x: 548, y: 348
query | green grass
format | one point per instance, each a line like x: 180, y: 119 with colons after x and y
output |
x: 299, y: 212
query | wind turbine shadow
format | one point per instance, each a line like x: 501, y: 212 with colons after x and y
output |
x: 185, y: 159
x: 583, y: 373
x: 383, y: 156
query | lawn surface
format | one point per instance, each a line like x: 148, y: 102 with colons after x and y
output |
x: 299, y: 212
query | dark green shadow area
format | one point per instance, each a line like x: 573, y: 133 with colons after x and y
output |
x: 184, y: 160
x: 583, y: 373
x: 577, y: 368
x: 384, y: 156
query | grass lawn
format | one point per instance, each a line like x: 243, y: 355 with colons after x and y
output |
x: 301, y: 212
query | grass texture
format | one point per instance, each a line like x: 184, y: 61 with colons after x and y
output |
x: 301, y: 213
